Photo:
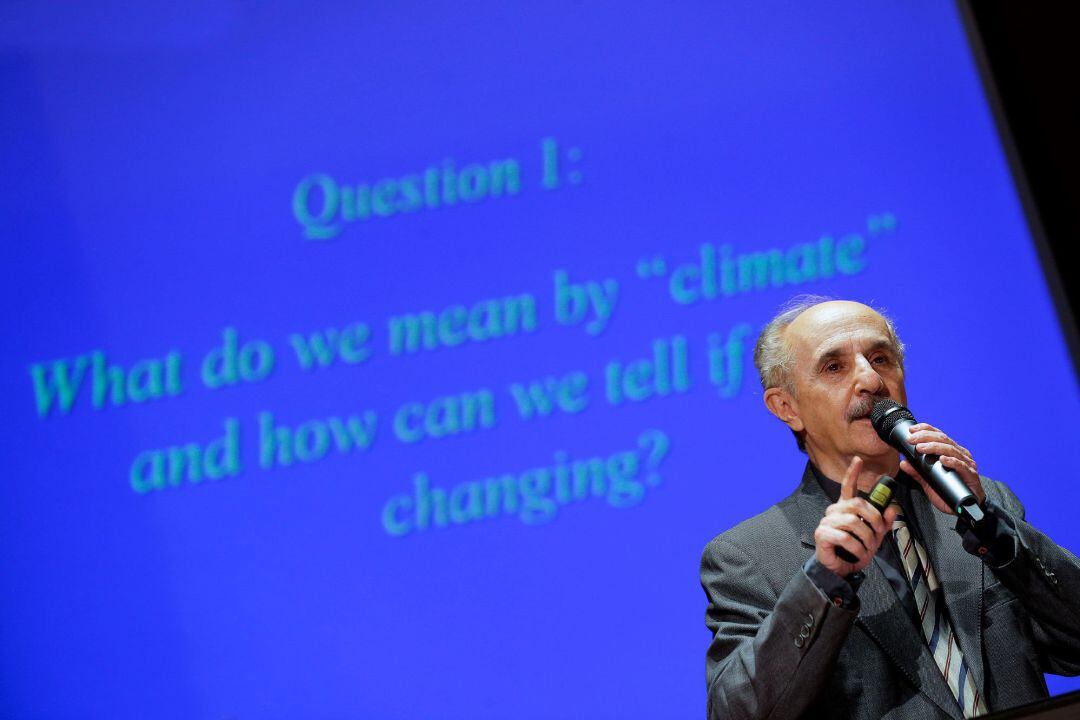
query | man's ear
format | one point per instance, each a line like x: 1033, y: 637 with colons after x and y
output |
x: 783, y: 405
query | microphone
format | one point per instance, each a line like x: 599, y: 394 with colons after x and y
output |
x: 892, y: 420
x: 880, y: 497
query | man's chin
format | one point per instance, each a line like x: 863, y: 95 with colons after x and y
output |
x: 868, y: 441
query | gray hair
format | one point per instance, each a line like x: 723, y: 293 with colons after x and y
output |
x: 773, y: 357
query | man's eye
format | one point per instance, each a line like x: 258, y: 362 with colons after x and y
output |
x: 832, y: 367
x: 880, y: 360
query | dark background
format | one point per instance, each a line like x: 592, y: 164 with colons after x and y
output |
x: 1029, y: 60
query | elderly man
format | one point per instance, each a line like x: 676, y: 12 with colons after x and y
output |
x: 927, y: 617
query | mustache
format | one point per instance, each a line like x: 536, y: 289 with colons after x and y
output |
x: 861, y: 407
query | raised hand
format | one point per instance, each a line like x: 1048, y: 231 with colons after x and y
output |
x: 853, y: 524
x: 928, y: 440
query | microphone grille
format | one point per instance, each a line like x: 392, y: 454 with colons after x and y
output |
x: 886, y: 413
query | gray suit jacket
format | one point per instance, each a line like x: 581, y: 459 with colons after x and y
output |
x: 1012, y: 623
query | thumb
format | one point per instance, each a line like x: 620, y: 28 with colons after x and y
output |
x: 890, y: 515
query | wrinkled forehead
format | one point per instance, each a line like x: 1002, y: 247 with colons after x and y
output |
x: 836, y: 328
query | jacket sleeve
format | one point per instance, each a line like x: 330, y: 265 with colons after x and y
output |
x: 771, y: 655
x: 1045, y: 578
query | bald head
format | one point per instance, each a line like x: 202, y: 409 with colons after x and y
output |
x: 833, y: 312
x: 805, y: 317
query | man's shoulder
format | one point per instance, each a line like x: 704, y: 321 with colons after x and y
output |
x: 1000, y: 494
x: 773, y: 531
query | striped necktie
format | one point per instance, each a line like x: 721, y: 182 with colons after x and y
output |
x: 935, y: 623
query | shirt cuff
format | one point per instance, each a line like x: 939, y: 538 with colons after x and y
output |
x: 840, y: 591
x: 993, y: 539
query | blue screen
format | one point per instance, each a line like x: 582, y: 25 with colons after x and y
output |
x: 394, y: 360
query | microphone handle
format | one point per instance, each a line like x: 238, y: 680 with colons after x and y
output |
x: 946, y: 483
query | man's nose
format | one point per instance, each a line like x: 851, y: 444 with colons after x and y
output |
x: 867, y: 378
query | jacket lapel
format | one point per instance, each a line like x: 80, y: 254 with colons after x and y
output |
x: 883, y: 617
x: 808, y: 508
x: 881, y: 614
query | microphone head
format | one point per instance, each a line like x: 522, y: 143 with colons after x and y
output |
x: 885, y: 414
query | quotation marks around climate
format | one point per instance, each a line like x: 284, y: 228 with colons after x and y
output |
x: 651, y: 267
x: 881, y: 224
x: 723, y: 270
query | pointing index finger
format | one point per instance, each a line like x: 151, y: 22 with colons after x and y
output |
x: 848, y: 487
